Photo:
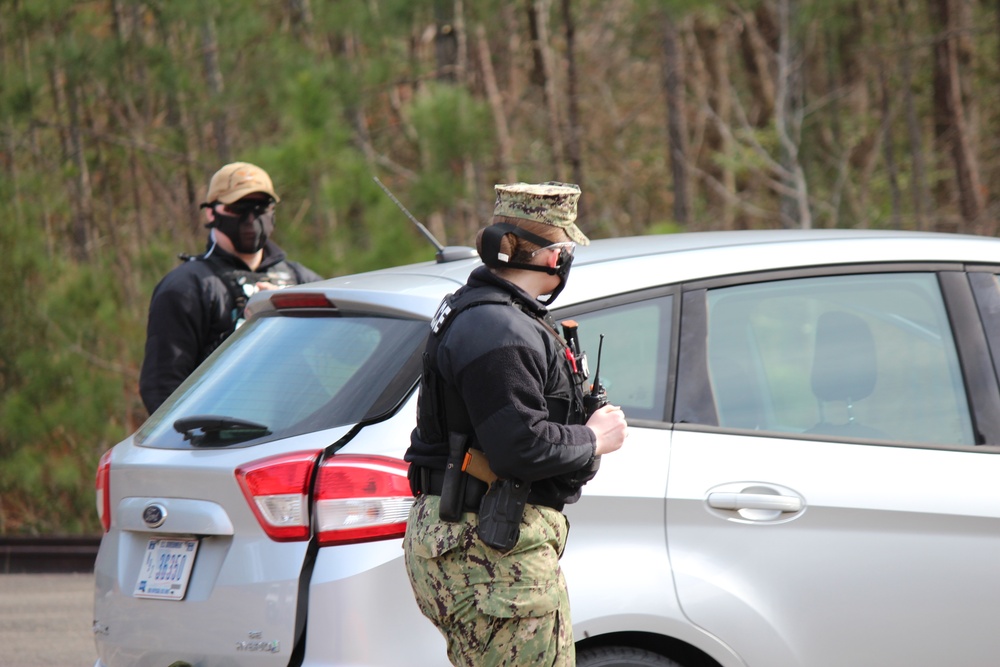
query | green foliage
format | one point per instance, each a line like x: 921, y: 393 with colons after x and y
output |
x: 452, y: 124
x: 665, y: 227
x: 752, y: 151
x: 454, y: 128
x: 62, y: 403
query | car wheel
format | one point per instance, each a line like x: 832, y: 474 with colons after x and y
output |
x: 621, y: 656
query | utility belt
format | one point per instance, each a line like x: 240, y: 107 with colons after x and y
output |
x: 468, y: 485
x: 429, y: 481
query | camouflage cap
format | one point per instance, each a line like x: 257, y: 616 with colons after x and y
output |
x: 238, y: 179
x: 550, y: 203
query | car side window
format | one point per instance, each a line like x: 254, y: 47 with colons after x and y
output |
x: 865, y: 356
x: 634, y: 359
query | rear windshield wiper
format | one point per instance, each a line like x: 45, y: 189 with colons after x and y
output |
x: 216, y: 430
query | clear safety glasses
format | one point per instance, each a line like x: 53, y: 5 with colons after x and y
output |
x: 568, y: 246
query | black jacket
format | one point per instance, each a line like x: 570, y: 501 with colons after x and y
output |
x: 195, y: 307
x: 510, y: 369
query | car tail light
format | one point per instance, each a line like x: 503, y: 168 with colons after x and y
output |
x: 277, y: 489
x: 361, y: 499
x: 103, y: 488
x: 285, y: 300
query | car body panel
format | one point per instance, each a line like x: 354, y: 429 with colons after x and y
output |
x: 351, y: 624
x: 618, y: 570
x: 880, y: 556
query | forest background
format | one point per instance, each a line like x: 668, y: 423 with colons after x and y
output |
x: 673, y: 115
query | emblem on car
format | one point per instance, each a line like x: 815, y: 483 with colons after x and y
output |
x: 257, y: 644
x: 154, y: 515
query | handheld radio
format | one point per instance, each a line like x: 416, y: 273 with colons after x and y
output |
x: 598, y: 396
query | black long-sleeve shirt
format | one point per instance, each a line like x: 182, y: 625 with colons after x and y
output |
x: 511, y: 371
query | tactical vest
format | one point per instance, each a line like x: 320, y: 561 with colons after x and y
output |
x: 241, y: 283
x: 440, y: 408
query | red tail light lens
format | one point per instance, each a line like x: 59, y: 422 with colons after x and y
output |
x: 286, y: 300
x: 277, y: 489
x: 103, y: 488
x: 361, y: 499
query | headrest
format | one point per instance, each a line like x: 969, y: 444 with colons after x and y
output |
x: 844, y: 359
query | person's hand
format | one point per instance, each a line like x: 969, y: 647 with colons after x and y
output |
x: 264, y: 286
x: 609, y: 425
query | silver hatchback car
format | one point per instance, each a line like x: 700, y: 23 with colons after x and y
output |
x: 810, y: 480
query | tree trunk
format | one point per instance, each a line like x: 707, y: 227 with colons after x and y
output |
x: 7, y: 158
x: 123, y: 35
x: 445, y: 44
x: 469, y: 202
x: 888, y: 149
x: 788, y: 122
x: 83, y: 206
x: 574, y: 131
x: 213, y: 77
x: 301, y: 16
x: 756, y: 55
x: 56, y: 83
x: 544, y: 49
x: 537, y: 77
x: 496, y: 106
x: 178, y: 124
x: 673, y: 89
x: 950, y: 121
x: 712, y: 43
x: 918, y: 187
x: 853, y: 56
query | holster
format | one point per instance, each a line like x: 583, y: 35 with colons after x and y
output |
x: 453, y: 486
x: 500, y: 513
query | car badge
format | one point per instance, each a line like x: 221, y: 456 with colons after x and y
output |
x: 154, y: 515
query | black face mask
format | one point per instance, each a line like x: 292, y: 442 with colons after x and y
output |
x: 562, y: 270
x: 493, y: 258
x: 249, y: 229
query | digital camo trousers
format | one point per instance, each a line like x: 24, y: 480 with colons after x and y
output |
x: 492, y: 608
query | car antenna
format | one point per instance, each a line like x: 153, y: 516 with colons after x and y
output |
x: 444, y: 253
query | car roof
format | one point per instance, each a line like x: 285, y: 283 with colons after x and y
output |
x: 619, y: 265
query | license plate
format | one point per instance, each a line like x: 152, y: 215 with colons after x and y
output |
x: 166, y: 569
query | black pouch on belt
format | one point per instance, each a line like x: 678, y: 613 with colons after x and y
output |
x: 453, y: 485
x: 500, y: 513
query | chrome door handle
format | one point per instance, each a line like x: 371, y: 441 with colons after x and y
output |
x: 754, y: 501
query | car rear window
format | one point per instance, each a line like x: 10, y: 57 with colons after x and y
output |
x: 296, y: 374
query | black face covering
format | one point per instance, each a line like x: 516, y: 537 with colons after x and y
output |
x: 493, y: 258
x: 562, y: 270
x: 250, y: 228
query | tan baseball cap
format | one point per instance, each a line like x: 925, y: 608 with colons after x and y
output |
x: 238, y: 179
x: 550, y: 203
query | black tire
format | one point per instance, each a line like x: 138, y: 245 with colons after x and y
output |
x: 621, y: 656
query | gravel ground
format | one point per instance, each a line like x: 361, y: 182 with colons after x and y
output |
x: 45, y: 620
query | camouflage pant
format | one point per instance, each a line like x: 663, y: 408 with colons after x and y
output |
x: 493, y: 609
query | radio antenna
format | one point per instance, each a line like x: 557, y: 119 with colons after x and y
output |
x: 423, y: 230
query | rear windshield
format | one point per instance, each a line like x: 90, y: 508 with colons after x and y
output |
x: 288, y: 375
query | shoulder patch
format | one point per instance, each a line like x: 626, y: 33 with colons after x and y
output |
x: 443, y: 311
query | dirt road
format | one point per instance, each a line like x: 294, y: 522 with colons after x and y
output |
x: 45, y: 620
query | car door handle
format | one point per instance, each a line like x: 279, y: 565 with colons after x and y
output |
x: 754, y: 501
